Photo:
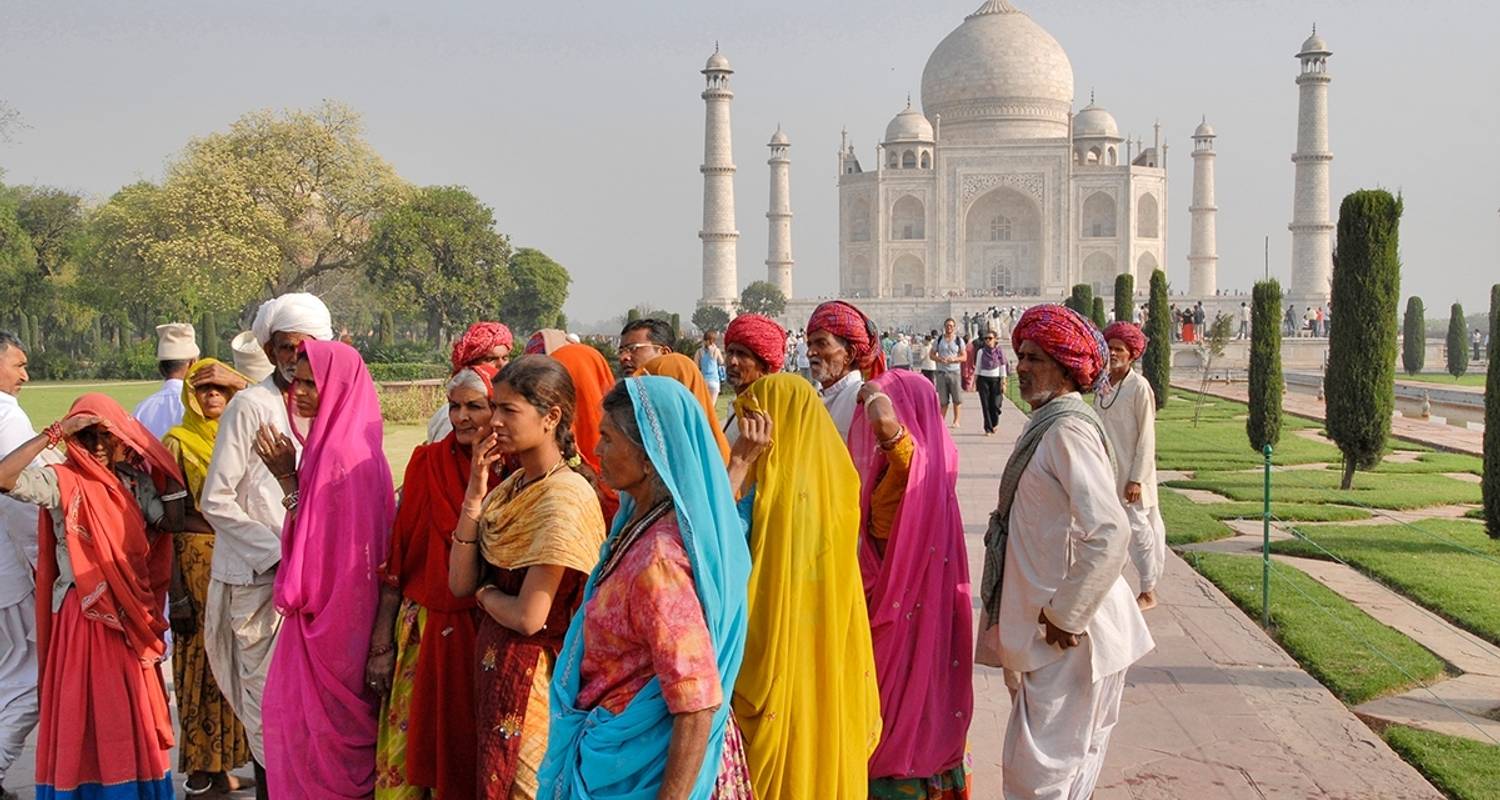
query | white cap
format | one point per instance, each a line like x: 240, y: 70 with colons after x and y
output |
x: 176, y: 341
x: 250, y: 358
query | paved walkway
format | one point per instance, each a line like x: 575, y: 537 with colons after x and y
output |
x: 1441, y: 437
x: 1217, y: 711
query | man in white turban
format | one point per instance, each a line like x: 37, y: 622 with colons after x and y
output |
x: 242, y: 501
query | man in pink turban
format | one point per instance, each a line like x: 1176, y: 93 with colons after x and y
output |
x: 843, y: 350
x: 1055, y: 547
x: 484, y: 343
x: 1127, y: 408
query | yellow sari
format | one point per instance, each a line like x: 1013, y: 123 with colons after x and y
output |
x: 806, y: 697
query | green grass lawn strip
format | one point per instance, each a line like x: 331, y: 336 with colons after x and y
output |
x: 1462, y: 768
x: 46, y: 403
x: 1372, y: 489
x: 1425, y: 562
x: 1340, y: 652
x: 1188, y: 522
x: 1475, y: 379
x: 1435, y: 462
x: 1475, y: 513
x: 1291, y: 512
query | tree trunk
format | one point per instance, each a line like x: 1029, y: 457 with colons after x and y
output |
x: 435, y: 328
x: 1348, y: 482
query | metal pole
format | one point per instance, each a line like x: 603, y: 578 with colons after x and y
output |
x: 1265, y: 549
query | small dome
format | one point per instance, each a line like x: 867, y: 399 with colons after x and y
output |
x: 909, y: 126
x: 1095, y: 122
x: 779, y: 139
x: 717, y: 63
x: 1315, y: 44
x: 1204, y: 130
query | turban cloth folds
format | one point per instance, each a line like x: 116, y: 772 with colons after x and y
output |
x: 1130, y: 334
x: 478, y: 340
x: 298, y: 312
x: 761, y: 336
x: 850, y: 324
x: 1068, y: 339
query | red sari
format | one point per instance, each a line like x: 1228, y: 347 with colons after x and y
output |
x: 104, y: 717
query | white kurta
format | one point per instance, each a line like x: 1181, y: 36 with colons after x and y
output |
x: 841, y: 399
x: 242, y: 501
x: 18, y: 674
x: 163, y: 409
x: 439, y: 425
x: 1129, y: 417
x: 1067, y: 546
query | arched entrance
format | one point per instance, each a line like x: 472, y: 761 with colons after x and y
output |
x: 1002, y: 244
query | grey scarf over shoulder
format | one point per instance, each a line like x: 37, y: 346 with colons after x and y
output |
x: 1042, y: 420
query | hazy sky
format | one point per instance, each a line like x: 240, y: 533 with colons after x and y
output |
x: 581, y: 125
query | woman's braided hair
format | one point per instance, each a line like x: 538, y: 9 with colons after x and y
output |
x: 544, y: 382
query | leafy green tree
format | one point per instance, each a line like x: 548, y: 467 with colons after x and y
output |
x: 1125, y: 297
x: 1414, y: 337
x: 1081, y: 300
x: 762, y: 297
x: 1492, y: 422
x: 1156, y: 362
x: 1097, y: 314
x: 1360, y: 379
x: 1458, y: 342
x: 541, y: 288
x: 1266, y: 382
x: 710, y: 318
x: 440, y: 252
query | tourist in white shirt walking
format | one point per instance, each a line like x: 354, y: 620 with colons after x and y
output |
x: 176, y: 350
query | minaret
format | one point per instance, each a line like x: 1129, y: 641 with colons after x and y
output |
x: 779, y: 238
x: 1312, y: 233
x: 720, y: 284
x: 1203, y: 249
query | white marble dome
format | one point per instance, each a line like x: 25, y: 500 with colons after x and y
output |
x: 909, y: 126
x: 1204, y: 130
x: 779, y: 138
x: 1315, y: 44
x: 717, y: 62
x: 999, y: 75
x: 1094, y: 122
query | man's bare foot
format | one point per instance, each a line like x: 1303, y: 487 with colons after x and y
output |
x: 1146, y: 600
x: 227, y: 782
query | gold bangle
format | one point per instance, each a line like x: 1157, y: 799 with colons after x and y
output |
x: 453, y: 537
x: 894, y: 440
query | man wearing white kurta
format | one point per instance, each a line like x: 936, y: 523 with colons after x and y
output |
x: 1128, y: 409
x: 176, y: 350
x: 242, y: 501
x: 843, y: 348
x: 1068, y: 626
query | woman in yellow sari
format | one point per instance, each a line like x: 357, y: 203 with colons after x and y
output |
x: 806, y: 697
x: 213, y: 740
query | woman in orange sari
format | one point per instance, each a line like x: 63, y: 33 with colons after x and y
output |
x: 680, y: 368
x: 592, y: 380
x: 104, y: 563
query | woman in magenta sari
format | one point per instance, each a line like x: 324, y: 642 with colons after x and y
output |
x: 320, y: 715
x: 916, y: 575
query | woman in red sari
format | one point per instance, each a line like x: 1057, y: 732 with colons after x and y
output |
x: 422, y: 648
x: 104, y: 563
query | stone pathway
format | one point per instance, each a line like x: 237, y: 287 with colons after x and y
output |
x: 1218, y: 710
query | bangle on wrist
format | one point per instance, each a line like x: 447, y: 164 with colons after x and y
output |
x: 887, y: 444
x: 382, y: 649
x: 54, y: 434
x: 454, y: 537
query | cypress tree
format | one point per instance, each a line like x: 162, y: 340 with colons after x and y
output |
x: 1125, y: 297
x: 1414, y: 337
x: 1492, y: 423
x: 1097, y: 313
x: 1361, y: 373
x: 1156, y: 362
x: 210, y: 336
x: 387, y: 328
x: 632, y: 315
x: 1266, y: 386
x: 1082, y: 300
x: 1458, y: 342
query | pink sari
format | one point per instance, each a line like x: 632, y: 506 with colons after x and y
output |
x: 320, y: 718
x: 918, y: 594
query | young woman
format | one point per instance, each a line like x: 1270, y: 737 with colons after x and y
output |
x: 523, y: 551
x: 105, y: 727
x: 320, y: 712
x: 667, y: 602
x: 213, y: 740
x: 422, y: 647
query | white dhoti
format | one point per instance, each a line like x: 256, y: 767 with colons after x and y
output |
x: 1148, y: 543
x: 239, y: 633
x: 1060, y: 722
x: 18, y: 679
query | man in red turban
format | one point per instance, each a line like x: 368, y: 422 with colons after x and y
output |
x: 754, y: 347
x: 483, y: 344
x: 1067, y: 338
x: 1127, y: 407
x: 843, y: 350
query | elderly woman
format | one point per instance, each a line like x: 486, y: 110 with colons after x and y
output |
x: 523, y: 551
x: 213, y: 740
x: 105, y: 727
x: 320, y: 712
x: 422, y: 647
x: 483, y: 344
x: 650, y: 661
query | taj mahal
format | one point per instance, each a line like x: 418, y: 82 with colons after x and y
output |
x: 997, y: 191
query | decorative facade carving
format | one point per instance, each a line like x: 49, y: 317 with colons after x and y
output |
x: 1031, y: 183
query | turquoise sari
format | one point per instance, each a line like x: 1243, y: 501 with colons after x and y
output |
x: 594, y: 754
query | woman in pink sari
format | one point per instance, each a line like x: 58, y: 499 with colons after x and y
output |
x: 320, y: 716
x: 916, y: 575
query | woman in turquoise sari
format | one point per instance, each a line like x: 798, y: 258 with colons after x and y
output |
x: 640, y: 698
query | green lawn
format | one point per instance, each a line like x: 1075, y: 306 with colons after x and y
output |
x: 1292, y: 512
x: 1218, y: 441
x: 1462, y: 768
x: 1435, y: 462
x: 1341, y: 652
x: 1188, y: 522
x: 45, y: 403
x: 1475, y: 513
x: 1372, y: 489
x: 1421, y: 562
x: 1471, y: 378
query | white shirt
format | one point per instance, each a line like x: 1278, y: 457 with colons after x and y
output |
x: 439, y: 425
x: 241, y: 498
x: 1068, y: 543
x: 1129, y: 417
x: 841, y: 399
x: 801, y: 354
x: 163, y: 410
x: 901, y: 355
x: 18, y: 547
